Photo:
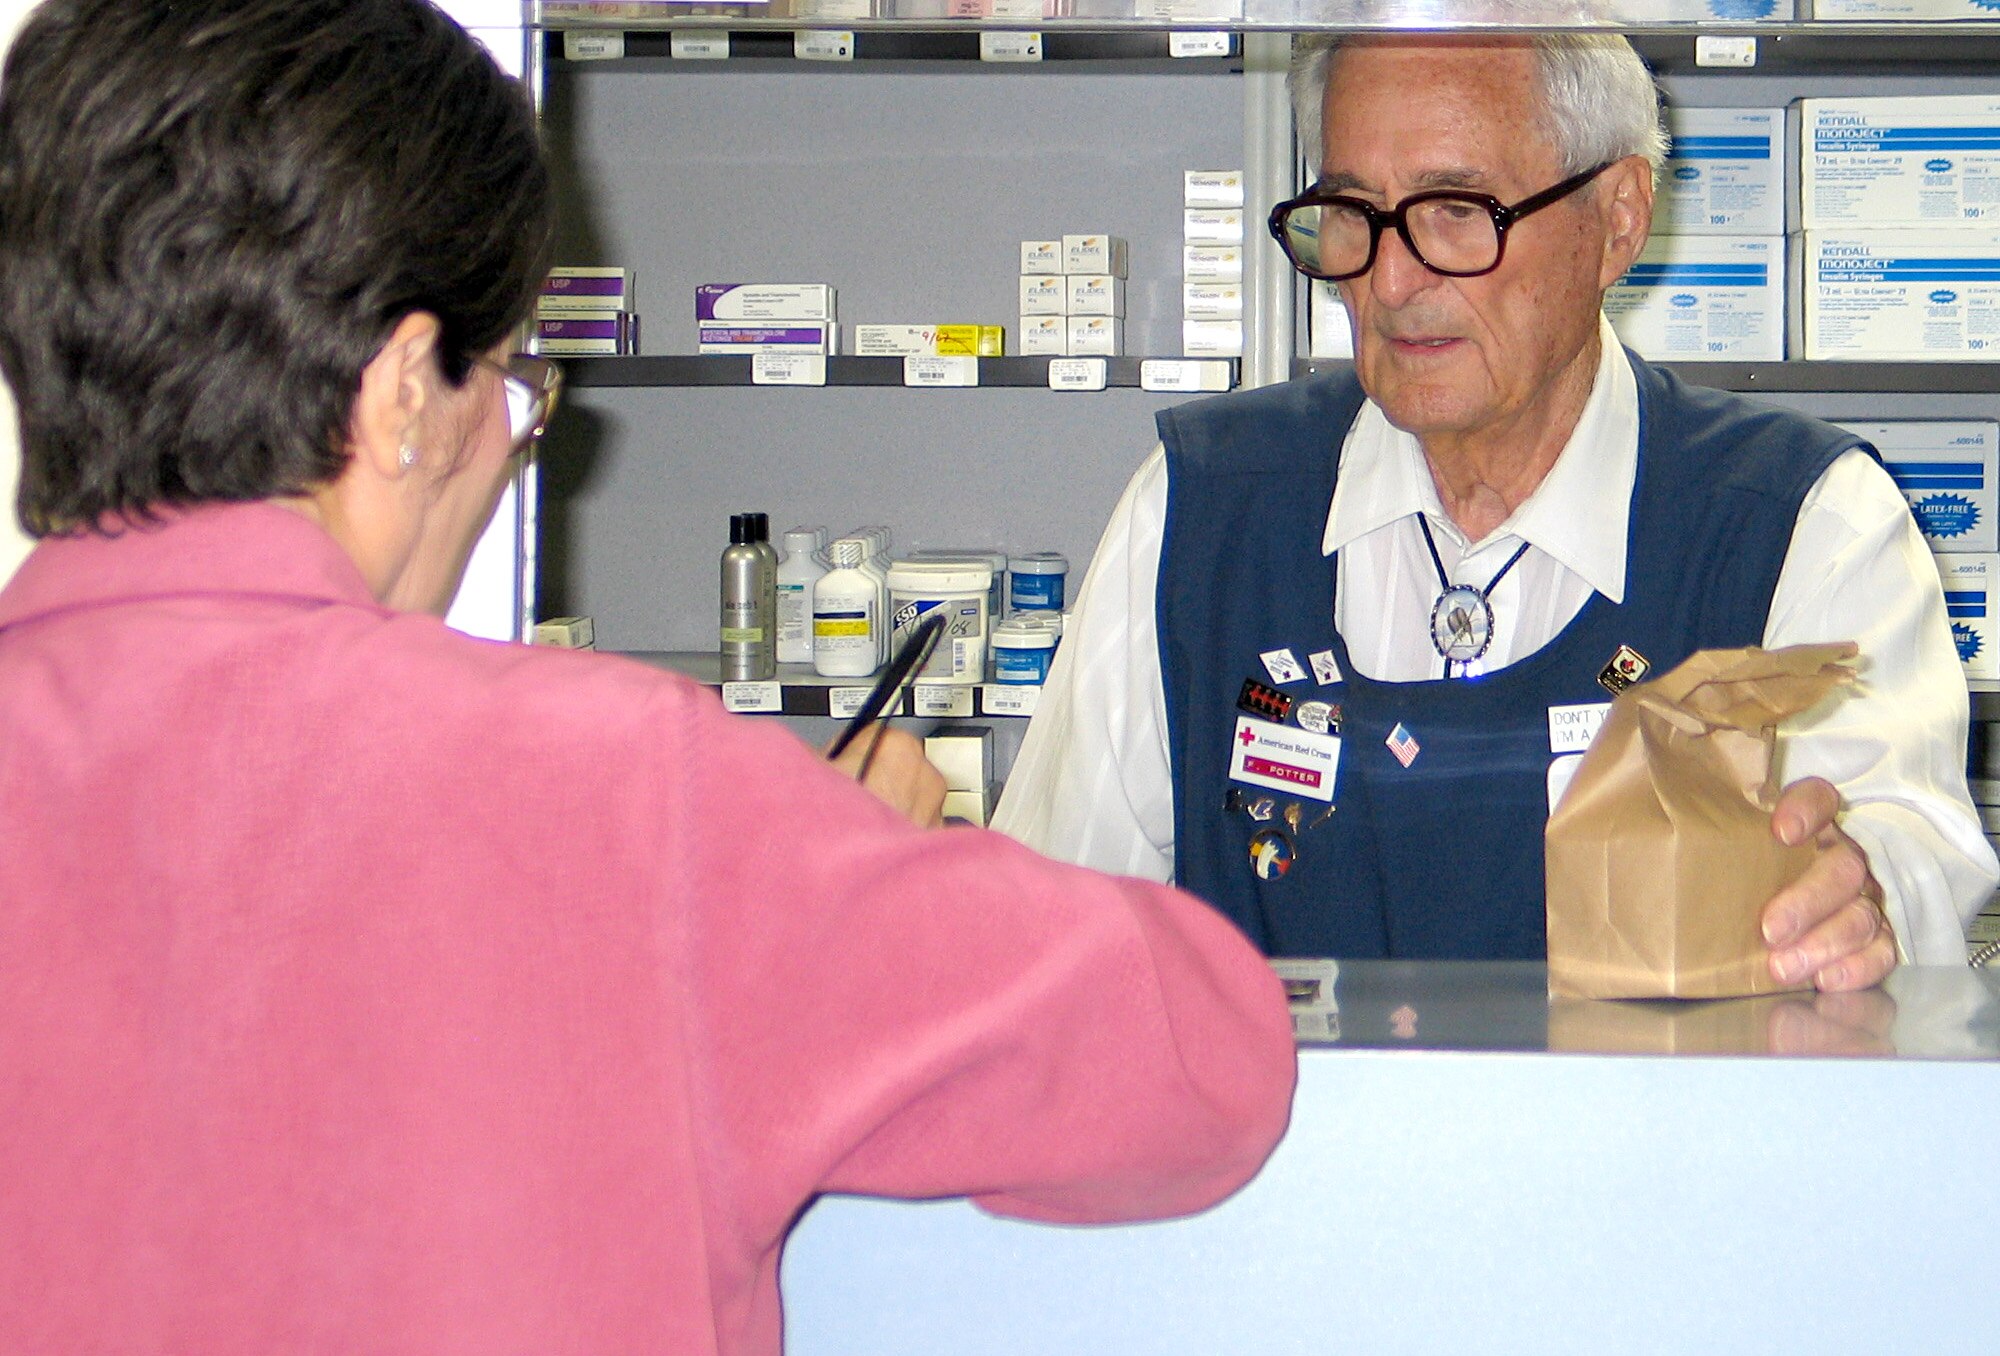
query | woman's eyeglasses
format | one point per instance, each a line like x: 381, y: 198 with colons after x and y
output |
x: 533, y: 386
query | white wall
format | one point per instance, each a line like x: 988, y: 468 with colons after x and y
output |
x: 13, y: 542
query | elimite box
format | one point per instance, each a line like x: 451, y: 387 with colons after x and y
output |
x: 1929, y: 160
x: 1949, y: 470
x: 1095, y: 254
x: 1711, y: 297
x: 799, y: 336
x: 1725, y: 173
x: 1212, y: 226
x: 730, y: 302
x: 1213, y: 188
x: 1911, y: 295
x: 1212, y: 263
x: 1211, y: 301
x: 574, y: 336
x: 569, y: 290
x: 1969, y: 580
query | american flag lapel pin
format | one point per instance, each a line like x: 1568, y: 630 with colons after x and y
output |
x: 1403, y: 744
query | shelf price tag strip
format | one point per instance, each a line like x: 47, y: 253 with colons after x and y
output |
x: 942, y: 699
x: 1010, y: 46
x: 788, y: 369
x: 950, y: 370
x: 747, y: 698
x: 1077, y: 374
x: 820, y: 45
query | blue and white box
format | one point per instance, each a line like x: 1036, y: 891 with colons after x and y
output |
x: 1916, y: 296
x: 1969, y: 581
x: 1928, y: 160
x: 1725, y: 173
x: 1718, y: 298
x: 1949, y: 470
x: 1732, y: 12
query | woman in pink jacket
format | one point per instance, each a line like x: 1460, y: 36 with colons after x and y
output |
x: 367, y: 987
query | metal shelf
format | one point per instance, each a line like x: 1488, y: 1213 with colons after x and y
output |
x: 687, y: 369
x: 806, y: 693
x: 1131, y: 52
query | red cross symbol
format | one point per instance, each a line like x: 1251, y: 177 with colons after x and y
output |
x: 1248, y: 736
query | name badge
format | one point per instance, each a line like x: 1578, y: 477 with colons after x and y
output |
x: 1284, y: 758
x: 1571, y: 728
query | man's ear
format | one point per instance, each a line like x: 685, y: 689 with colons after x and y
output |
x: 1628, y: 197
x: 385, y: 431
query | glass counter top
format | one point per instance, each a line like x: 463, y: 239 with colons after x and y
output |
x: 1919, y: 1012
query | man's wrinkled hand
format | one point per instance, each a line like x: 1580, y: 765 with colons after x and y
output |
x: 898, y: 774
x: 1827, y: 927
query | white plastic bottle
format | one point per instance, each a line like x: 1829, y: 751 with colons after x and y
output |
x: 797, y: 573
x: 846, y: 615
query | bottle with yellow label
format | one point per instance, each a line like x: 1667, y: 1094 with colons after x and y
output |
x: 846, y: 615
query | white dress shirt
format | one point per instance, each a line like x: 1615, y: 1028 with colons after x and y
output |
x: 1093, y: 782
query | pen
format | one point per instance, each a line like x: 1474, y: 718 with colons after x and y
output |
x: 902, y: 669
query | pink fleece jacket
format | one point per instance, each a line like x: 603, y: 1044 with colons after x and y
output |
x: 364, y: 987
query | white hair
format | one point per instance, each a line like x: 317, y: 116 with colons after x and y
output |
x: 1598, y: 104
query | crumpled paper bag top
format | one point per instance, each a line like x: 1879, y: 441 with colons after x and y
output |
x: 1660, y: 857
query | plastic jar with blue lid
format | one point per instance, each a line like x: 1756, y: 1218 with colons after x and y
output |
x: 1024, y: 644
x: 1037, y: 582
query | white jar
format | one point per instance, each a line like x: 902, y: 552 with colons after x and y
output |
x: 958, y: 589
x: 1023, y: 647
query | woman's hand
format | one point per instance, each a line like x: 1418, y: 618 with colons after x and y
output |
x: 898, y: 774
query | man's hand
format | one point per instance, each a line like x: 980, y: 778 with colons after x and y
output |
x: 898, y: 773
x: 1827, y: 926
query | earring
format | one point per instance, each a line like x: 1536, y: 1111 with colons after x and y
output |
x: 407, y: 455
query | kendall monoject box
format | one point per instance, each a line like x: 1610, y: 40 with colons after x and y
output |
x: 1725, y: 173
x: 735, y: 303
x: 1949, y: 470
x: 1969, y: 582
x: 1712, y: 297
x: 1900, y: 295
x: 1929, y: 160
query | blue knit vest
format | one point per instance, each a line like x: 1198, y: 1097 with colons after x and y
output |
x: 1441, y: 859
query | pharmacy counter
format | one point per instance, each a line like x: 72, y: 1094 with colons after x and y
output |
x: 1473, y: 1169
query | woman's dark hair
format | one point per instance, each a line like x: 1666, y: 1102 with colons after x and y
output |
x: 213, y: 213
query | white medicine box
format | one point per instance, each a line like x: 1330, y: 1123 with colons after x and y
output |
x: 1911, y: 295
x: 1969, y: 581
x: 1725, y: 173
x: 1929, y: 160
x: 1096, y: 254
x: 1706, y: 297
x: 1329, y: 330
x: 1949, y: 470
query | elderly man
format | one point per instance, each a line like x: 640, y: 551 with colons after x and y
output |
x: 1430, y: 571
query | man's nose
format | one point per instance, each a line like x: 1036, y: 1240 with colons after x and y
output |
x: 1398, y: 274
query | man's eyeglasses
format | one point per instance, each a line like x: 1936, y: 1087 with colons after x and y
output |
x: 533, y: 386
x: 1333, y: 237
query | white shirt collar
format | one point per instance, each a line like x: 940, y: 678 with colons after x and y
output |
x: 1578, y: 515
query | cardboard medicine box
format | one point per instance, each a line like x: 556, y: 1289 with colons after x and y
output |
x: 1949, y: 470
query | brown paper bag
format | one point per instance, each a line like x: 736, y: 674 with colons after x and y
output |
x: 1660, y: 856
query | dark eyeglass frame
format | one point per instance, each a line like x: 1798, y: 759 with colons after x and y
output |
x: 1504, y: 216
x: 539, y: 382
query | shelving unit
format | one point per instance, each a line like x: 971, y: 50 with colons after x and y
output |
x: 656, y: 450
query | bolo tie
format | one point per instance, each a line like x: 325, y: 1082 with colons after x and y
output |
x: 1462, y: 616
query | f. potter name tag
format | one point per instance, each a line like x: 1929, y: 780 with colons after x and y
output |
x: 1284, y: 759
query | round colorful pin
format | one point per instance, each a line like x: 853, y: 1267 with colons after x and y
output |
x: 1271, y: 854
